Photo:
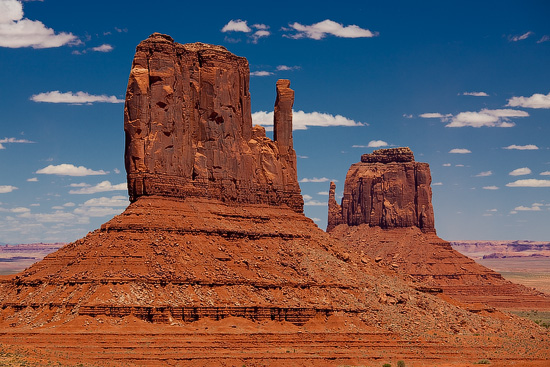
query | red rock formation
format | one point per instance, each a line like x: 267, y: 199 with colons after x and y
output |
x: 214, y: 231
x: 387, y: 214
x: 189, y: 128
x: 387, y: 189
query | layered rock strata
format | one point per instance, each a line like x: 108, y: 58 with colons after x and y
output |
x: 387, y: 189
x: 189, y: 128
x: 386, y: 213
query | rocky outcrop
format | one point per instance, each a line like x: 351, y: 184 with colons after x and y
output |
x: 386, y: 213
x: 189, y: 128
x: 387, y: 189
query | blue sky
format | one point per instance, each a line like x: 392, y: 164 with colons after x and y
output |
x: 465, y: 84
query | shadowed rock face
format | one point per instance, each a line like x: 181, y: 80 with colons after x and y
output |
x: 387, y: 189
x: 189, y: 128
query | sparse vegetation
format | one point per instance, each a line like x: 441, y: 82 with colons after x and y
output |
x: 400, y: 363
x: 386, y: 365
x: 483, y: 361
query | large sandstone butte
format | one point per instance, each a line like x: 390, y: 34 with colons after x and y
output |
x: 387, y: 213
x: 214, y: 263
x: 189, y: 128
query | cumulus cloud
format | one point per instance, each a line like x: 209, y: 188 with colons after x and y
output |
x: 435, y: 115
x: 490, y: 187
x: 437, y: 184
x: 315, y: 179
x: 475, y: 94
x: 117, y: 200
x: 103, y: 48
x: 236, y: 26
x: 69, y: 170
x: 520, y: 37
x: 520, y: 171
x: 97, y: 211
x: 535, y: 207
x: 545, y: 173
x: 446, y: 165
x: 320, y: 30
x: 323, y: 193
x: 17, y: 31
x: 32, y: 179
x: 261, y: 73
x: 259, y: 34
x: 103, y: 186
x: 484, y: 174
x: 537, y: 100
x: 485, y: 117
x: 15, y: 140
x: 4, y: 189
x: 312, y: 202
x: 522, y: 147
x: 460, y: 151
x: 303, y: 120
x: 74, y: 98
x: 372, y: 144
x: 529, y: 183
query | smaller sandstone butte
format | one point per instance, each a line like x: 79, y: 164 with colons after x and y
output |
x: 387, y: 189
x: 189, y: 128
x: 386, y: 213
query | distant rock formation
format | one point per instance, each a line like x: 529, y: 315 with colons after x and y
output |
x: 387, y: 214
x: 387, y: 189
x: 189, y: 128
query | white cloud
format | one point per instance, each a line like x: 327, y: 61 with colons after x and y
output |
x: 485, y: 117
x: 116, y: 170
x: 118, y: 200
x: 475, y: 94
x: 81, y: 184
x: 15, y: 140
x: 544, y: 38
x: 446, y: 165
x: 261, y: 73
x: 7, y: 188
x: 307, y: 197
x: 236, y: 26
x: 529, y: 183
x: 520, y: 171
x: 259, y: 34
x: 302, y: 156
x: 323, y: 193
x: 2, y: 147
x: 537, y: 100
x: 69, y: 204
x: 320, y: 30
x: 545, y: 173
x: 100, y: 187
x: 33, y: 179
x: 302, y: 120
x: 69, y: 170
x: 407, y: 116
x: 534, y: 207
x: 20, y: 210
x: 522, y: 147
x: 314, y: 203
x: 492, y: 210
x: 520, y: 37
x: 484, y: 174
x: 459, y: 165
x: 437, y: 184
x: 459, y: 151
x: 16, y: 31
x: 73, y: 98
x: 287, y: 68
x: 315, y: 179
x: 372, y: 144
x: 490, y: 187
x: 260, y: 26
x: 434, y: 115
x: 103, y: 48
x: 97, y: 211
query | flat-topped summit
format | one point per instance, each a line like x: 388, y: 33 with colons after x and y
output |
x: 391, y: 155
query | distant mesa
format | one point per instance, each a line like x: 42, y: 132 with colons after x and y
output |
x: 387, y: 189
x: 386, y: 212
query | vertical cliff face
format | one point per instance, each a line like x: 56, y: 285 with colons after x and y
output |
x: 189, y: 128
x: 387, y: 189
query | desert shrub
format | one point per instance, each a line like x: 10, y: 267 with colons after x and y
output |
x: 484, y: 361
x: 386, y: 365
x: 400, y: 364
